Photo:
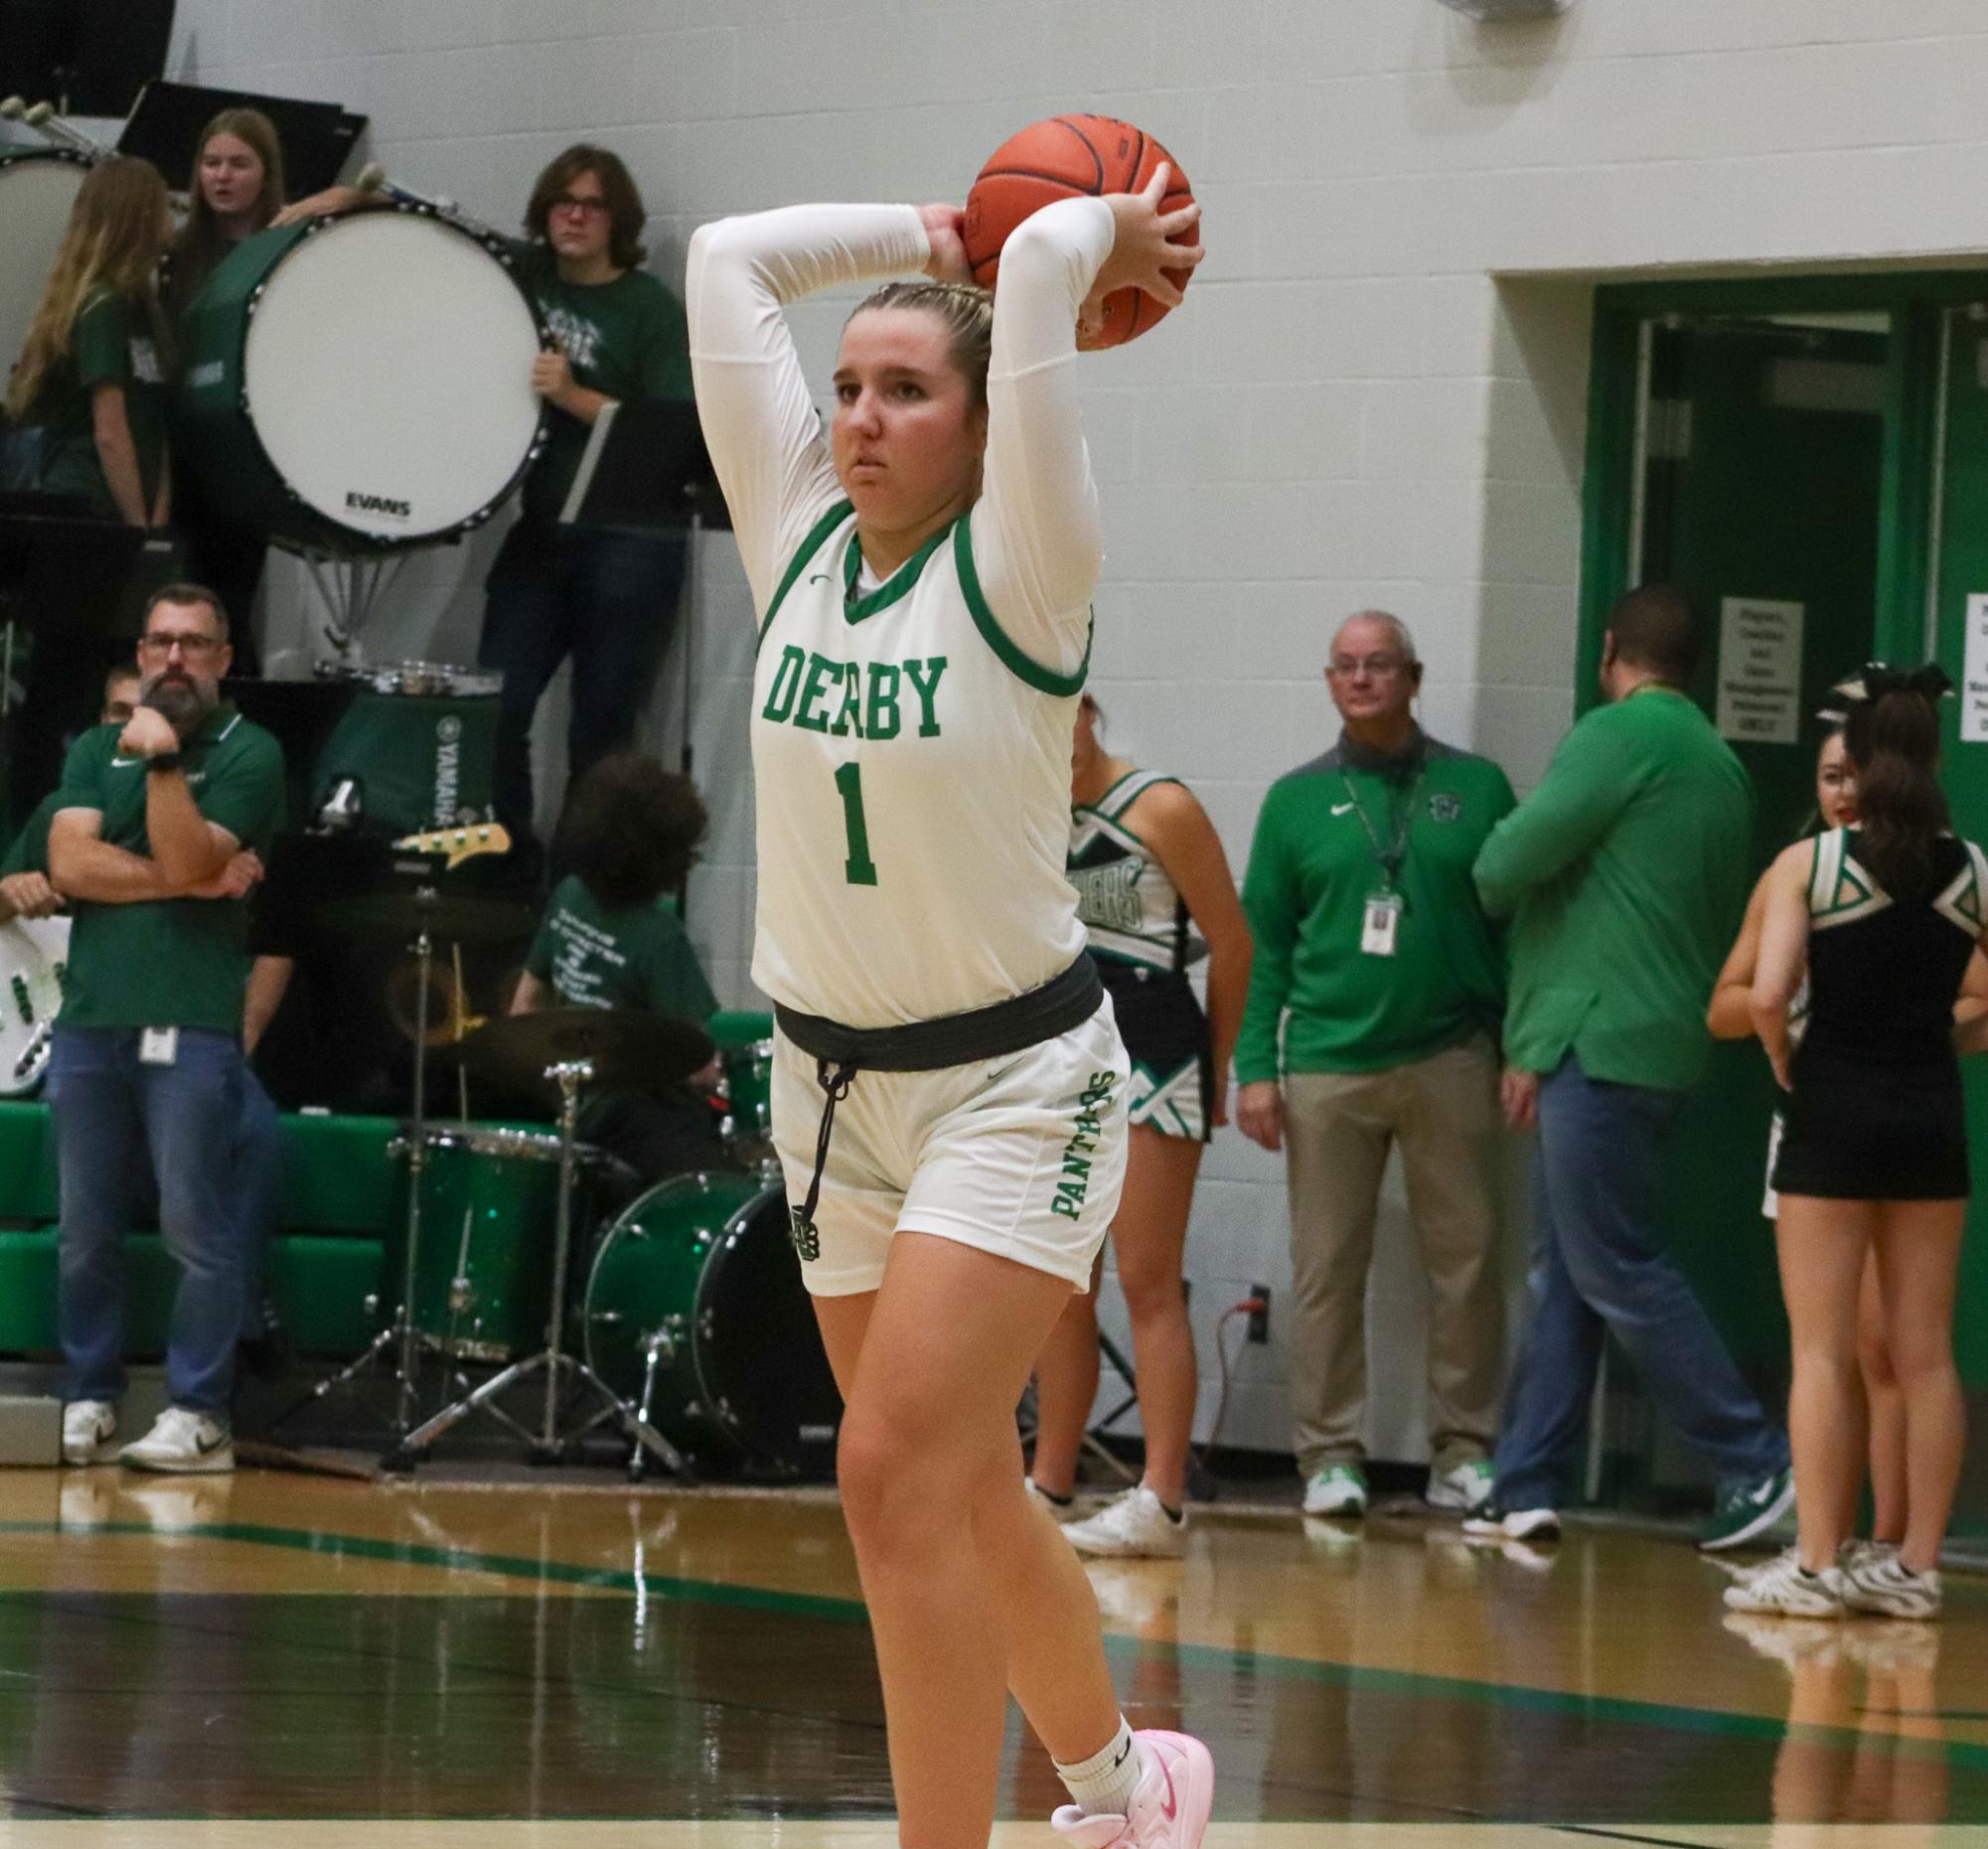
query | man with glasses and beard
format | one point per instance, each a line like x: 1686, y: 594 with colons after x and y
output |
x: 153, y: 845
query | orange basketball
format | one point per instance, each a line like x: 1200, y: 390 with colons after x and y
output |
x: 1071, y: 156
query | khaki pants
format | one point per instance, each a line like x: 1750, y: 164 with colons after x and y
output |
x: 1338, y: 1129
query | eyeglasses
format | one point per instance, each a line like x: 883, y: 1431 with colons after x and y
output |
x: 194, y: 648
x: 1376, y: 667
x: 572, y: 202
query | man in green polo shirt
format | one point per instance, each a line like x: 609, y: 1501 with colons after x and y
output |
x: 1383, y: 979
x: 147, y: 846
x: 1624, y: 874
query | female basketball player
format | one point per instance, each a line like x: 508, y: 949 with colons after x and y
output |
x: 1884, y: 917
x: 1147, y: 866
x: 236, y: 190
x: 924, y: 582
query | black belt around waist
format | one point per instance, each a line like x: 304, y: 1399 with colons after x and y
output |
x: 840, y: 1054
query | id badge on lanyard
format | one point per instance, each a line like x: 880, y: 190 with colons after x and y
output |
x: 1380, y: 917
x: 1380, y: 924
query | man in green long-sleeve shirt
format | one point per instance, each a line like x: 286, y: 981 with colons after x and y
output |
x: 1381, y: 976
x: 1624, y: 874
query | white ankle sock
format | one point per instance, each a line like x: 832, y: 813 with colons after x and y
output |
x: 1103, y: 1785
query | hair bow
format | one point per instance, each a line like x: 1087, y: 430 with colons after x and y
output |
x: 1876, y: 679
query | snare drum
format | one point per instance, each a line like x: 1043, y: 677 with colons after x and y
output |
x: 747, y: 1091
x: 419, y: 741
x: 37, y: 189
x: 696, y: 1310
x: 359, y: 382
x: 490, y: 1203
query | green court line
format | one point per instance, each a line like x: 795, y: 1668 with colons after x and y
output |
x: 1418, y: 1684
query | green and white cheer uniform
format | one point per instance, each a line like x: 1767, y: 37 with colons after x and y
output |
x: 1137, y: 929
x: 911, y: 747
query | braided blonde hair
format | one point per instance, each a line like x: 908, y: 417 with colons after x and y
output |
x: 968, y: 313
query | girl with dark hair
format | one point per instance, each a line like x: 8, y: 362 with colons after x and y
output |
x: 606, y: 598
x: 609, y: 939
x: 1884, y: 916
x: 235, y: 190
x: 1151, y: 878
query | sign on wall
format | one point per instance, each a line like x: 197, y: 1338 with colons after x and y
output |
x: 1760, y: 670
x: 1974, y: 673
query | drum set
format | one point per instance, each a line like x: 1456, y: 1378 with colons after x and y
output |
x: 679, y: 1321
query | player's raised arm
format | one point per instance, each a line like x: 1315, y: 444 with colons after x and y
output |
x: 1038, y: 542
x: 759, y: 419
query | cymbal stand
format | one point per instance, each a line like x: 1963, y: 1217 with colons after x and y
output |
x: 553, y: 1360
x: 401, y: 1331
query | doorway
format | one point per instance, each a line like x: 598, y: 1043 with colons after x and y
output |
x: 1808, y: 458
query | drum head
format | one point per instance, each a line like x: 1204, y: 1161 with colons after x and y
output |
x: 760, y: 1352
x: 388, y: 371
x: 37, y: 188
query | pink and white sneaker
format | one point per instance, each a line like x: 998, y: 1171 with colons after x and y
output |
x: 1169, y: 1808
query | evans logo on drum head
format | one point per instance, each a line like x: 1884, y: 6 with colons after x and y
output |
x: 379, y: 504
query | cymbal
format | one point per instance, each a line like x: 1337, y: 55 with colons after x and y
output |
x: 627, y: 1050
x: 455, y: 917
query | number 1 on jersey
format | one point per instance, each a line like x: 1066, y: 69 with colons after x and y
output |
x: 859, y: 868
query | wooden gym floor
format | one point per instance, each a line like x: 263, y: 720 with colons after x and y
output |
x: 192, y: 1662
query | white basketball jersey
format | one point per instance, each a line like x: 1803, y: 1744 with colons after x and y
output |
x: 913, y: 787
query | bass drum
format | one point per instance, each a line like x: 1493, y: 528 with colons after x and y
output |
x: 695, y: 1312
x: 361, y: 383
x: 38, y: 187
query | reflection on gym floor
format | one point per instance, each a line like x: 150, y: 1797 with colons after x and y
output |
x: 296, y: 1649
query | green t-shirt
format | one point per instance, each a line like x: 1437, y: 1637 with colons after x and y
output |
x: 1624, y: 874
x: 113, y: 344
x: 626, y: 337
x: 1313, y: 866
x: 168, y: 963
x: 634, y: 957
x: 29, y: 852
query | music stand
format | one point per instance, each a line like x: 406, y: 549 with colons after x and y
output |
x: 646, y: 471
x: 317, y: 138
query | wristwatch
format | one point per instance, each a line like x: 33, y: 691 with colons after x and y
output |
x: 164, y: 761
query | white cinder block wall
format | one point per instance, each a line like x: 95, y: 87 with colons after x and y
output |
x: 1376, y: 394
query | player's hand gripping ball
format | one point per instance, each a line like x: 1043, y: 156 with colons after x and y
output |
x: 1076, y: 157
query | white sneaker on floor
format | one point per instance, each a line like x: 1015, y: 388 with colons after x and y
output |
x: 1493, y: 1522
x: 88, y: 1426
x: 1854, y: 1554
x: 1784, y: 1587
x: 1338, y: 1489
x: 1467, y: 1487
x: 183, y: 1442
x: 1133, y: 1526
x: 1887, y: 1588
x: 1170, y: 1810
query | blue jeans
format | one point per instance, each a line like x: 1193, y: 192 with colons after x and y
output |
x: 109, y: 1107
x: 1600, y: 1266
x: 607, y: 599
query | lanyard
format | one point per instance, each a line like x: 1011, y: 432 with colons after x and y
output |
x: 1389, y: 858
